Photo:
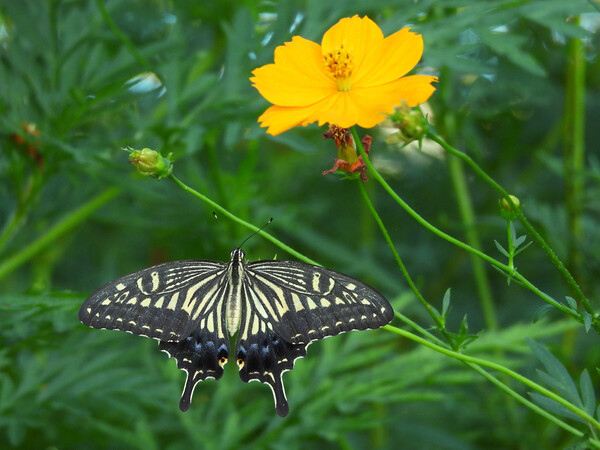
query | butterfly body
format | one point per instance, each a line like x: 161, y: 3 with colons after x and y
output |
x: 276, y: 308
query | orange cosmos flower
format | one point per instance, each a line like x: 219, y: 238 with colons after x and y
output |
x: 355, y: 77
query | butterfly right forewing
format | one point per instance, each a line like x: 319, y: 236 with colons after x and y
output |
x: 305, y: 302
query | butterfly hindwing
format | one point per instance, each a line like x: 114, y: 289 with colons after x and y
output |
x: 201, y: 355
x: 163, y: 302
x: 287, y: 305
x: 264, y: 357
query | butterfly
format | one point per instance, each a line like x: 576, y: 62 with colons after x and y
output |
x: 277, y: 308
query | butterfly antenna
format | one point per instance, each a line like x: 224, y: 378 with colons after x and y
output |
x: 256, y: 232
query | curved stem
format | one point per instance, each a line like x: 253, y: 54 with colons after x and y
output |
x: 465, y: 206
x: 495, y: 366
x: 432, y: 312
x: 419, y: 328
x: 542, y: 412
x: 503, y: 267
x: 27, y: 196
x: 532, y: 231
x: 242, y: 222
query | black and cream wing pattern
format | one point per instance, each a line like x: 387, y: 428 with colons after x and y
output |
x: 277, y: 308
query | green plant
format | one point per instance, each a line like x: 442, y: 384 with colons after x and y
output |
x: 456, y: 369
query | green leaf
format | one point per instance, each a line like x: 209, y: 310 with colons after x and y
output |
x: 501, y: 249
x: 519, y: 241
x: 446, y: 303
x: 541, y: 312
x: 508, y: 45
x: 464, y: 326
x: 587, y: 320
x: 557, y: 374
x: 588, y: 395
x: 526, y: 246
x: 571, y: 302
x: 554, y: 407
x: 16, y: 432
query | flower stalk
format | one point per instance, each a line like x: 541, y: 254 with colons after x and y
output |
x: 477, y: 364
x: 503, y: 267
x: 519, y: 215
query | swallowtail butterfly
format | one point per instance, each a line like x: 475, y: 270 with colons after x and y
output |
x: 277, y: 308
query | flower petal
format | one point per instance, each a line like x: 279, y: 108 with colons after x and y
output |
x: 414, y: 90
x: 281, y: 118
x: 339, y: 109
x: 298, y: 76
x: 358, y: 35
x: 393, y: 58
x: 378, y: 101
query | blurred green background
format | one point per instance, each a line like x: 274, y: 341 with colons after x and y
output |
x: 95, y: 77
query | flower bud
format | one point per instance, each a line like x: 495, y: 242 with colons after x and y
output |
x: 507, y: 210
x: 410, y: 123
x: 150, y: 162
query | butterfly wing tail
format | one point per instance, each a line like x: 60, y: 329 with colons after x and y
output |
x: 265, y: 357
x: 201, y: 357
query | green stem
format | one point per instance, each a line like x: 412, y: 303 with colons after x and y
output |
x: 494, y: 366
x: 511, y: 245
x: 419, y: 328
x: 472, y: 237
x: 534, y: 234
x: 507, y: 270
x: 61, y: 227
x: 13, y: 222
x: 542, y: 412
x: 574, y: 150
x: 242, y: 222
x: 432, y: 312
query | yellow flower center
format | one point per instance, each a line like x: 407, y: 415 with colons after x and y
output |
x: 340, y: 65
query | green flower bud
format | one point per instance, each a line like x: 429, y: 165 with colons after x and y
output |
x: 151, y: 163
x: 507, y: 210
x: 411, y: 125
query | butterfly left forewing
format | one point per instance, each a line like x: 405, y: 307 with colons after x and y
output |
x: 162, y: 302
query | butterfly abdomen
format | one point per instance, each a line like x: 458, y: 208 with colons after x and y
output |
x: 235, y: 270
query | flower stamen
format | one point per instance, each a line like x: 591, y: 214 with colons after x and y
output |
x: 340, y: 65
